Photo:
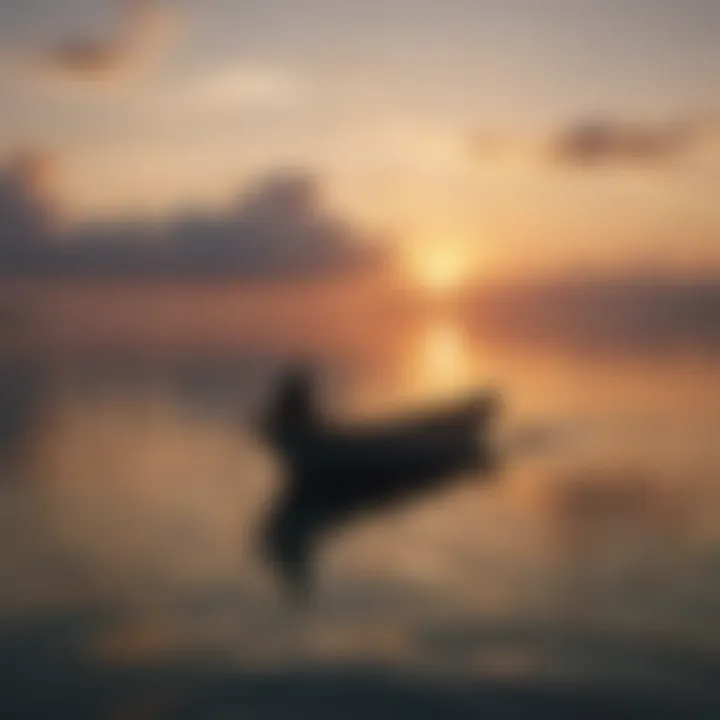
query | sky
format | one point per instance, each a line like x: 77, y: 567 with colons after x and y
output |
x: 491, y: 136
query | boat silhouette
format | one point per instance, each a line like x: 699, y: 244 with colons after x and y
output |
x: 337, y: 472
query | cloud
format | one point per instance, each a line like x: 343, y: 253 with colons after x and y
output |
x: 244, y: 86
x: 146, y: 32
x: 606, y: 142
x: 599, y: 142
x: 280, y: 227
x: 234, y: 88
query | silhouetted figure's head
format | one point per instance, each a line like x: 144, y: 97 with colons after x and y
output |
x: 294, y: 407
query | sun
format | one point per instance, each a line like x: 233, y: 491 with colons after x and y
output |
x: 441, y: 270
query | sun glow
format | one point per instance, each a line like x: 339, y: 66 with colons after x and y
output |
x: 441, y: 271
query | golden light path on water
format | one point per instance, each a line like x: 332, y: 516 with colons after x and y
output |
x: 439, y: 361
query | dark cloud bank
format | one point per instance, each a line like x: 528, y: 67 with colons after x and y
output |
x: 279, y: 228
